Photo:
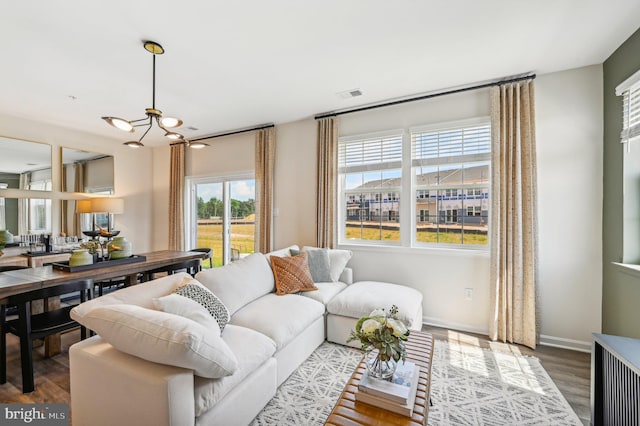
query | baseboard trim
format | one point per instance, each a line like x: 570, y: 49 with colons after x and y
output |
x: 561, y: 342
x: 545, y: 340
x: 435, y: 322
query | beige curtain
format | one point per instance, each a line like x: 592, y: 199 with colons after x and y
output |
x: 513, y: 215
x: 265, y: 161
x: 326, y: 182
x: 78, y: 187
x: 176, y: 197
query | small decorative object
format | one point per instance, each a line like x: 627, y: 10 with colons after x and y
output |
x: 382, y: 336
x: 93, y: 247
x: 6, y: 237
x: 80, y: 257
x: 119, y: 248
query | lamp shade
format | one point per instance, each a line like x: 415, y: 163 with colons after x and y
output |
x: 107, y: 205
x: 83, y: 206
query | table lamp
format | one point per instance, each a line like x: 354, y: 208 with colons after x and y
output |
x: 109, y: 206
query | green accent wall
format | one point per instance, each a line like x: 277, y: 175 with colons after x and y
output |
x: 621, y: 210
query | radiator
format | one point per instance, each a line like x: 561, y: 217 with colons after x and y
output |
x: 615, y: 381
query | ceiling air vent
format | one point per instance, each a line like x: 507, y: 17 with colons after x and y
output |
x: 347, y: 94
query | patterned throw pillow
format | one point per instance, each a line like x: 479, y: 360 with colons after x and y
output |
x: 292, y: 274
x: 199, y: 293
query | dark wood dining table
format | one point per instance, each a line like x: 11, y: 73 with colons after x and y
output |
x: 24, y: 280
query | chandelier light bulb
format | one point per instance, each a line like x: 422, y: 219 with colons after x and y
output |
x: 119, y: 123
x: 197, y: 145
x: 134, y: 144
x: 171, y: 122
x: 173, y: 135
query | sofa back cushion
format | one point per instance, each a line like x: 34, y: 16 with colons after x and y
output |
x: 240, y: 282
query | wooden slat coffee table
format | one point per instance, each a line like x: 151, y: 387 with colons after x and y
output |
x: 348, y: 411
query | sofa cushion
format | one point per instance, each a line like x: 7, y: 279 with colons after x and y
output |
x: 163, y: 338
x: 326, y: 291
x: 240, y: 282
x: 140, y: 294
x: 291, y: 274
x: 195, y: 291
x: 360, y: 298
x: 319, y: 265
x: 338, y: 260
x: 250, y: 348
x: 281, y: 318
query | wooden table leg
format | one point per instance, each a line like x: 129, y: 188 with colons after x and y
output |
x: 52, y: 344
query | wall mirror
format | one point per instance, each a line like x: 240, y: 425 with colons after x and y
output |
x: 86, y: 172
x: 22, y: 216
x: 25, y: 165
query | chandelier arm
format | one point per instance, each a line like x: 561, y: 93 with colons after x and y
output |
x: 138, y: 120
x: 146, y: 131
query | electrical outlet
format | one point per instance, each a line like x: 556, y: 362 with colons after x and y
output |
x: 468, y: 293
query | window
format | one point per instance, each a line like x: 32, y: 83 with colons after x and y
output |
x: 222, y: 216
x: 370, y: 175
x: 452, y: 162
x: 448, y: 175
x: 630, y: 92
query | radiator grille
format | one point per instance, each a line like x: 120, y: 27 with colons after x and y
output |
x: 620, y: 392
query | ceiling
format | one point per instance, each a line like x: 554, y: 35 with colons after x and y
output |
x: 230, y: 65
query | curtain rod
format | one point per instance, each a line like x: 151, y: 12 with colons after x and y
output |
x: 234, y: 132
x: 423, y: 97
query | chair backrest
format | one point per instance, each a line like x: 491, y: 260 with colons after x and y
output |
x: 55, y: 290
x: 208, y: 253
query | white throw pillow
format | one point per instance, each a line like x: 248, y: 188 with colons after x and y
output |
x: 163, y: 338
x: 195, y: 291
x: 188, y: 308
x: 338, y: 260
x: 240, y: 282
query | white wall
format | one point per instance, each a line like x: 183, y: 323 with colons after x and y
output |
x: 569, y: 133
x: 132, y: 174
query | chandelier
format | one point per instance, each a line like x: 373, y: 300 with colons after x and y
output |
x: 153, y: 114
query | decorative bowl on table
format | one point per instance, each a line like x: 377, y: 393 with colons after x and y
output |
x: 94, y: 234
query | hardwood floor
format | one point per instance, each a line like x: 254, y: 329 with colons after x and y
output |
x: 569, y: 370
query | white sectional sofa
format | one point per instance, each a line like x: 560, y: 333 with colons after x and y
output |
x: 151, y: 367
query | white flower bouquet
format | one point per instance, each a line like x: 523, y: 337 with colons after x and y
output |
x: 383, y: 331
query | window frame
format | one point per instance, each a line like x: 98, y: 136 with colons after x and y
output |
x: 191, y: 207
x: 407, y: 206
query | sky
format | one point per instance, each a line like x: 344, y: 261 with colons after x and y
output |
x: 241, y: 190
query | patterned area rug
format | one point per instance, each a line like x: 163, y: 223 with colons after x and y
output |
x: 471, y: 386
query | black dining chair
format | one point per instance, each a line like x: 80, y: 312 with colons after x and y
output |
x: 29, y: 327
x: 208, y: 256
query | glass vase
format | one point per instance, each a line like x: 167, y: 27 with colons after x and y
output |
x: 377, y: 367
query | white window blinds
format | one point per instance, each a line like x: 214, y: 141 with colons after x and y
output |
x: 375, y: 153
x: 451, y: 145
x: 630, y: 92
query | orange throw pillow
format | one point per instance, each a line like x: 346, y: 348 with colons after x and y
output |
x: 292, y: 274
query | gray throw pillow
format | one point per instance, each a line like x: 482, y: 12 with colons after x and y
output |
x: 318, y: 264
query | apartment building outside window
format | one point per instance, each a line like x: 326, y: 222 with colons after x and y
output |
x: 448, y: 176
